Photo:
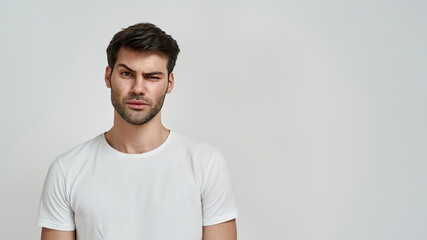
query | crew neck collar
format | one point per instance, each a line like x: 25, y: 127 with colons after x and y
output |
x: 137, y: 155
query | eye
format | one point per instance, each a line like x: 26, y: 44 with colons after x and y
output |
x: 151, y: 77
x: 125, y: 74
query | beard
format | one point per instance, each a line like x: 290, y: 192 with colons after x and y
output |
x: 136, y: 116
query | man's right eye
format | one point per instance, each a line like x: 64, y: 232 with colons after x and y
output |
x: 125, y: 74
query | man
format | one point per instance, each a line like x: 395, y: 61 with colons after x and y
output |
x: 139, y: 180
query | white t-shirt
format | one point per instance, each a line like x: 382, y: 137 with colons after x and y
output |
x: 167, y: 193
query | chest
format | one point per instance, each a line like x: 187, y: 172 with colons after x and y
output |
x: 146, y: 198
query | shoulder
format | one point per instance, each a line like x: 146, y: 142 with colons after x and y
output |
x: 203, y: 156
x: 194, y: 146
x: 79, y: 154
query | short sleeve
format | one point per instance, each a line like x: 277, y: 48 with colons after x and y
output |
x: 218, y: 202
x: 54, y: 210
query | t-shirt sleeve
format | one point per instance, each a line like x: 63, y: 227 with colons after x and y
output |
x: 218, y: 202
x: 54, y: 210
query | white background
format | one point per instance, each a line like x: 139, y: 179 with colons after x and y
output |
x: 319, y: 107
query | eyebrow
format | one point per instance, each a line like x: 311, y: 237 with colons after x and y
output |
x: 133, y: 71
x: 153, y: 73
x: 128, y: 68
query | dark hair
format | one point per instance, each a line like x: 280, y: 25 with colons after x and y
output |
x: 143, y: 37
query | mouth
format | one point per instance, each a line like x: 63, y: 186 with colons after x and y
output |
x: 135, y: 104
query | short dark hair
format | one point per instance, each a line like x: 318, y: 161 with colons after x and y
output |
x: 143, y: 37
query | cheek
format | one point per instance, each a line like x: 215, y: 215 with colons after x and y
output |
x: 119, y: 89
x: 159, y: 92
x: 114, y: 94
x: 117, y: 92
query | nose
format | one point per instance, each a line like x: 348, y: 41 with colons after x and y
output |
x: 139, y: 86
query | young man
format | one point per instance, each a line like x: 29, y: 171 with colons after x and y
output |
x: 139, y: 180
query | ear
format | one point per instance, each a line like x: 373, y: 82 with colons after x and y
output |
x: 108, y: 76
x: 171, y: 82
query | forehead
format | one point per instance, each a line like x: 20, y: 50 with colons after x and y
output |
x: 142, y: 61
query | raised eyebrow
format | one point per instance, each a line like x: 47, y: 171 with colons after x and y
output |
x: 153, y: 73
x: 128, y: 68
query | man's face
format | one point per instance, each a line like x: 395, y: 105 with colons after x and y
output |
x: 139, y: 83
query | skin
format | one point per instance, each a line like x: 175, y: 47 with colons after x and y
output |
x: 141, y: 130
x: 50, y: 234
x: 222, y: 231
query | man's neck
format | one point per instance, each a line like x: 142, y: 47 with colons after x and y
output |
x: 135, y: 139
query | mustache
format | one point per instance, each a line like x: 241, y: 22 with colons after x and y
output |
x: 137, y: 97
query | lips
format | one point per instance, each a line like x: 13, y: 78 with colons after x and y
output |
x: 137, y: 104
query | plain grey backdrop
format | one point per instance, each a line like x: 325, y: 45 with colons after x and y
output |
x: 319, y: 107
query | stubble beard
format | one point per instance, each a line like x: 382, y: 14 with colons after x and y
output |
x: 136, y: 116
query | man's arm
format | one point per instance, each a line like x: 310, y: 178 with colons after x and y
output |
x: 222, y: 231
x: 51, y: 234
